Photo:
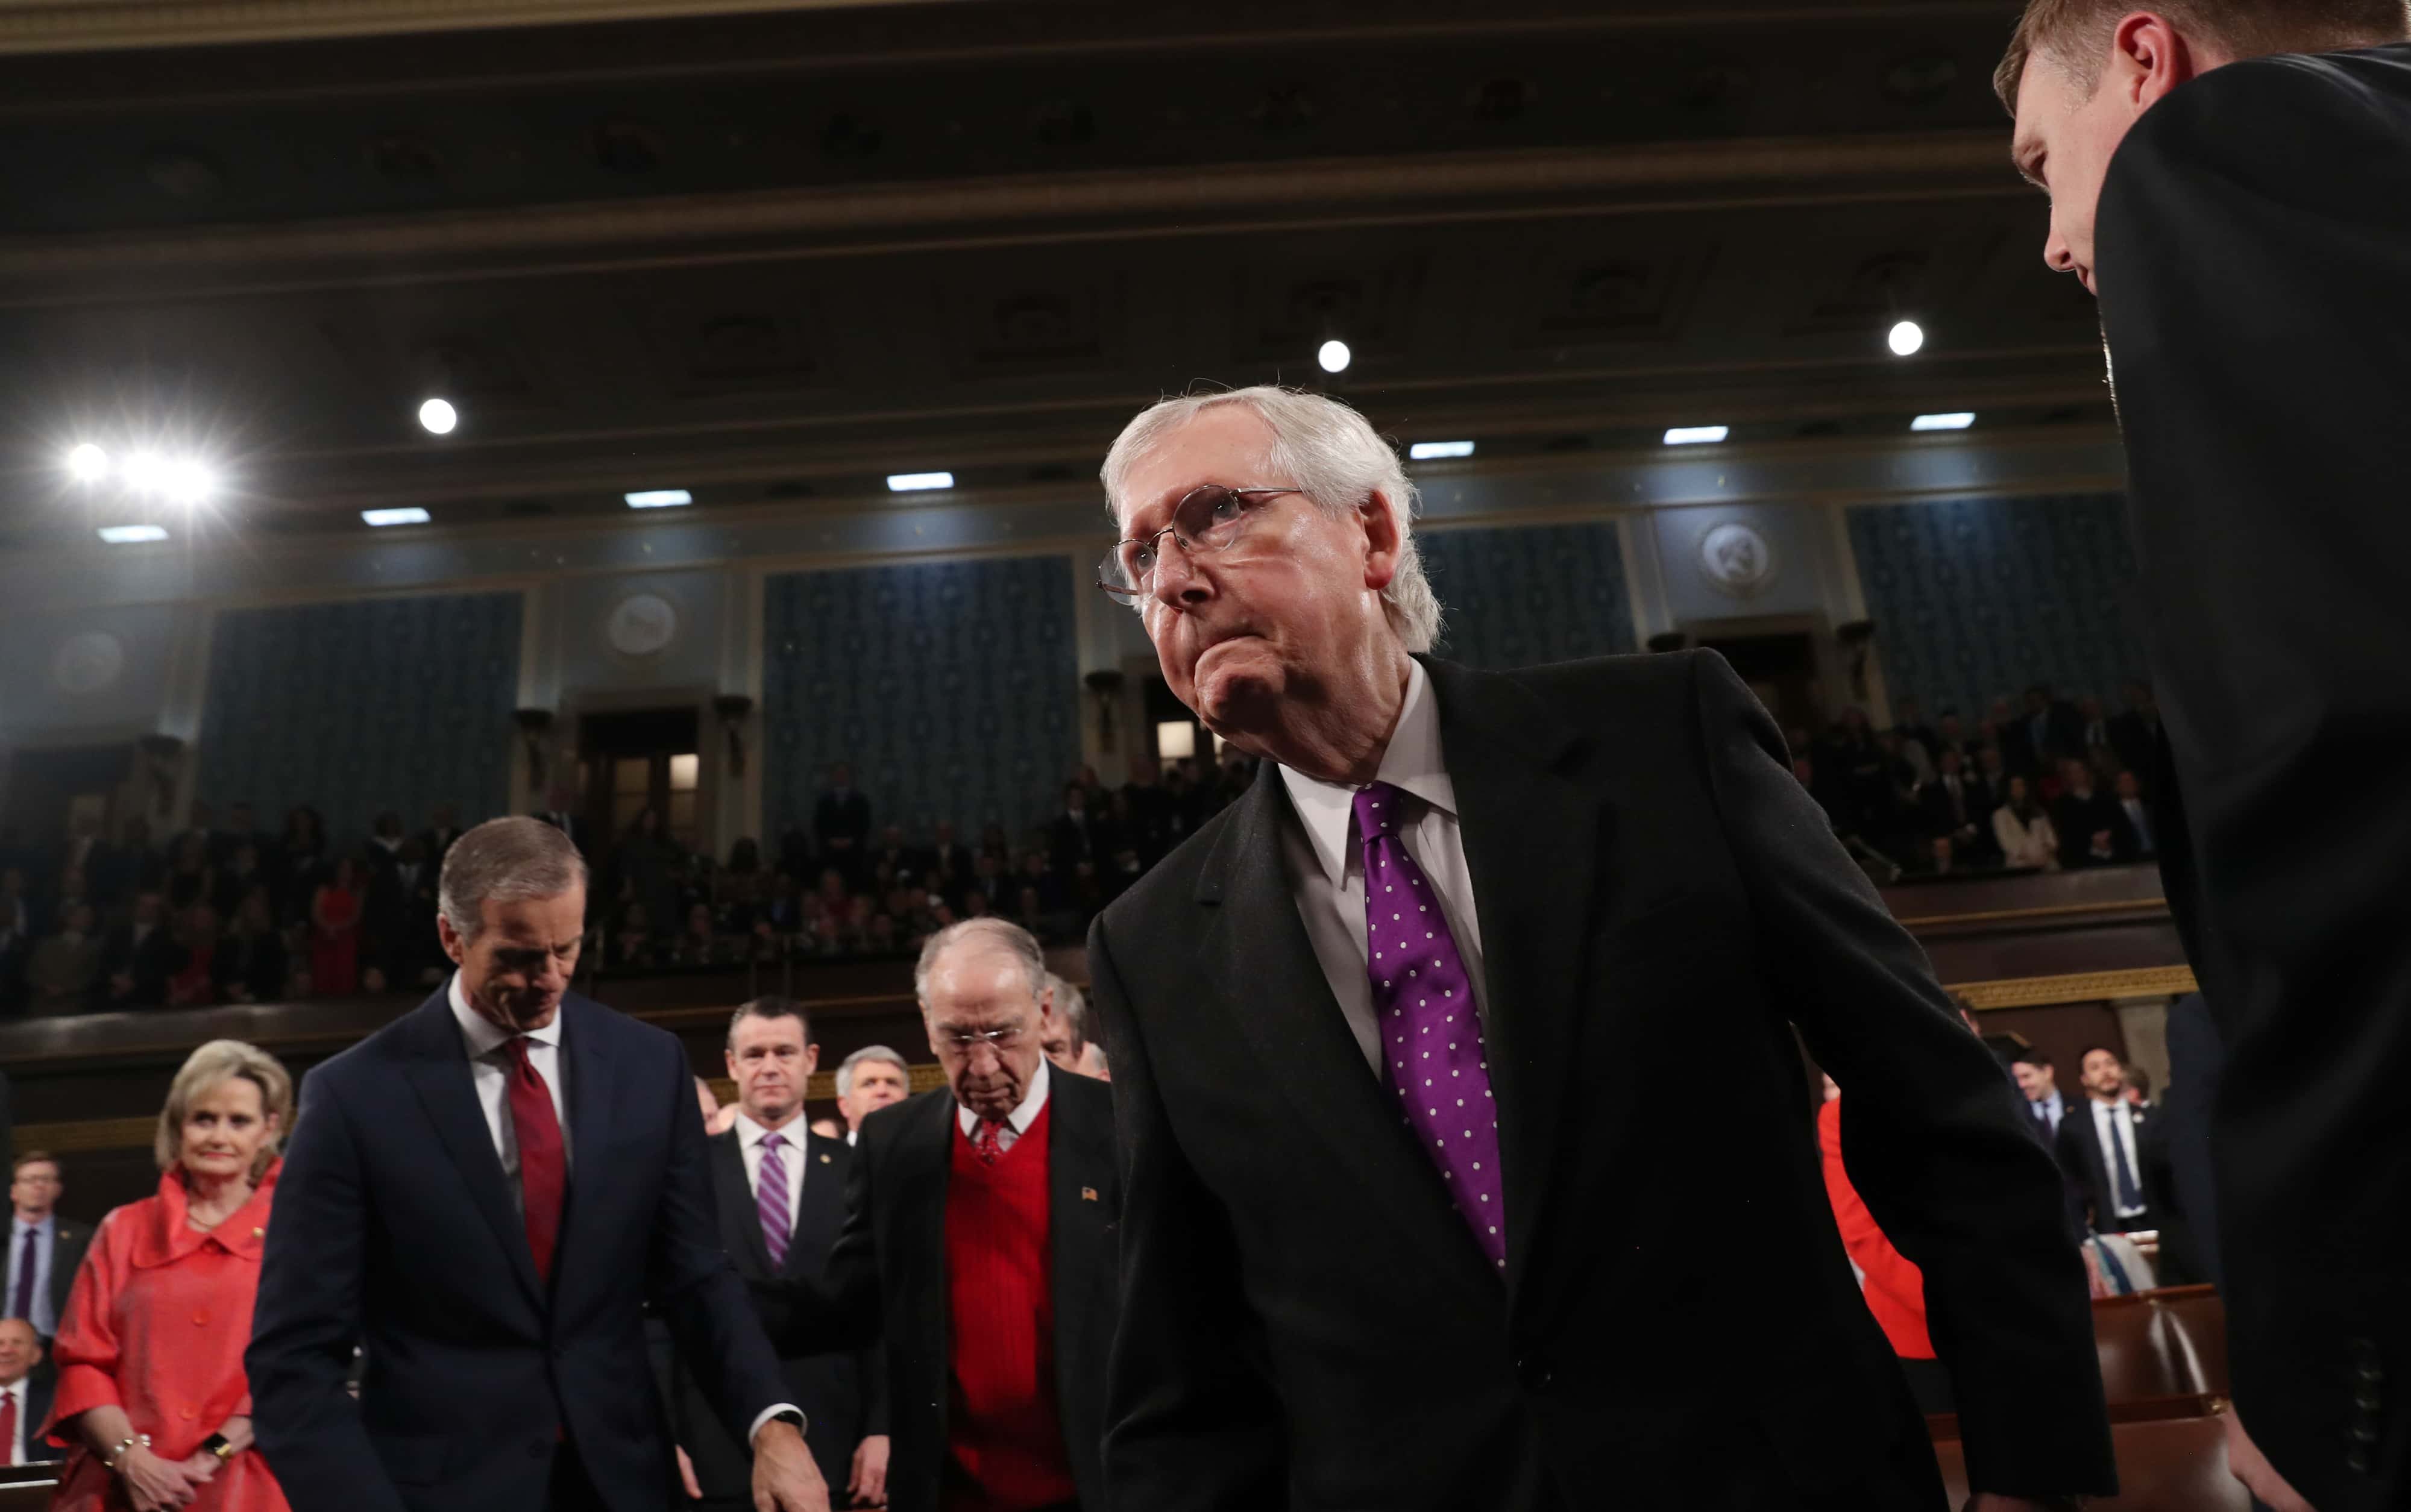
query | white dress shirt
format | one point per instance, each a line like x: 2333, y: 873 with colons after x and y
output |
x: 489, y: 1067
x: 790, y: 1155
x: 1018, y: 1122
x: 2114, y: 1120
x: 1326, y: 863
x: 2053, y: 1109
x: 43, y: 1241
x: 14, y: 1450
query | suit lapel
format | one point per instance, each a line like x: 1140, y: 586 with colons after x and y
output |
x: 1533, y: 839
x: 740, y: 1213
x: 589, y: 1099
x: 1075, y: 1164
x: 1253, y: 950
x: 820, y: 1206
x: 438, y: 1069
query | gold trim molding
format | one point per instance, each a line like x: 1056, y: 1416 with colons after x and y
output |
x: 2079, y: 987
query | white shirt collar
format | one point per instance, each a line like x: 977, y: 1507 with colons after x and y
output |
x: 1020, y: 1118
x: 484, y: 1035
x: 750, y: 1134
x: 1412, y: 762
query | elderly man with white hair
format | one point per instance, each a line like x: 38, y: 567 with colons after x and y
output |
x: 1415, y: 1216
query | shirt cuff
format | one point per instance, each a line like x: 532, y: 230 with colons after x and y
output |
x: 767, y: 1413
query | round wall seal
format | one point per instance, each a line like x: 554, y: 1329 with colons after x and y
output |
x: 88, y: 662
x: 641, y: 624
x: 1736, y: 560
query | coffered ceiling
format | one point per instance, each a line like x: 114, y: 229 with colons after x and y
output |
x: 776, y: 256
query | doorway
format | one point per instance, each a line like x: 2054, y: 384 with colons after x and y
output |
x: 1781, y: 669
x: 635, y: 759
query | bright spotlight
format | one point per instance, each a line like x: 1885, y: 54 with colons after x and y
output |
x: 188, y: 481
x: 381, y: 518
x: 918, y: 482
x: 146, y: 472
x: 1956, y: 420
x: 120, y: 535
x: 658, y: 499
x: 88, y: 463
x: 438, y: 417
x: 1906, y: 338
x: 1333, y: 357
x: 1697, y: 435
x: 1424, y: 451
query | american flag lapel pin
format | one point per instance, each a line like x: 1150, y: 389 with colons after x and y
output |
x: 1087, y: 1194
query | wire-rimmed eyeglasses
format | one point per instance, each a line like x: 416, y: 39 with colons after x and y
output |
x: 1210, y: 517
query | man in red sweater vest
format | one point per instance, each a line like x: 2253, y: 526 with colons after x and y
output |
x: 979, y: 1245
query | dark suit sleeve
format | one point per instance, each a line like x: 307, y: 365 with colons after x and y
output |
x: 1191, y: 1420
x: 306, y: 1321
x: 1930, y: 1134
x: 694, y: 1288
x: 2067, y: 1148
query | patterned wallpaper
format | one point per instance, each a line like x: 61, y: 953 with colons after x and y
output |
x: 358, y: 707
x: 1521, y: 597
x: 952, y: 687
x: 1974, y: 598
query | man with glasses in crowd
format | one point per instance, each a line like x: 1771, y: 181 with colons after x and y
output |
x: 44, y: 1249
x: 1399, y: 1168
x: 979, y: 1242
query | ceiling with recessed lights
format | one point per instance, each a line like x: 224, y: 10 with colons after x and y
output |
x: 789, y: 257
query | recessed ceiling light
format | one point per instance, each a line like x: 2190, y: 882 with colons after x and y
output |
x: 917, y: 482
x: 1695, y: 435
x: 1955, y: 420
x: 381, y: 518
x: 439, y: 416
x: 659, y: 499
x: 1906, y: 338
x: 146, y: 472
x: 188, y: 481
x: 1334, y: 357
x: 1424, y: 451
x: 88, y: 463
x: 120, y: 535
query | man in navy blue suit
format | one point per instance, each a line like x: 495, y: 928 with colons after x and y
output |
x: 483, y: 1197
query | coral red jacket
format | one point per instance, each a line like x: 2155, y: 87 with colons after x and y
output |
x: 1894, y: 1286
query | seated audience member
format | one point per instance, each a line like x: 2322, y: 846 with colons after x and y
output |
x: 2087, y: 819
x: 2136, y: 836
x: 193, y: 982
x: 152, y: 1400
x: 335, y: 938
x: 250, y: 961
x: 870, y: 1078
x: 25, y: 1397
x: 1919, y: 745
x: 44, y: 1249
x: 64, y: 973
x: 698, y: 943
x: 1959, y: 809
x: 190, y: 876
x: 1892, y: 1284
x: 2093, y: 725
x: 2022, y: 829
x: 2101, y: 1147
x: 633, y: 946
x: 2135, y: 730
x: 138, y: 955
x: 1938, y: 860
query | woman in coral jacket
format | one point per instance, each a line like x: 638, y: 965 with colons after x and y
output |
x: 1892, y: 1284
x: 152, y: 1400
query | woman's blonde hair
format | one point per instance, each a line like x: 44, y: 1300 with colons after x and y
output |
x: 207, y: 1067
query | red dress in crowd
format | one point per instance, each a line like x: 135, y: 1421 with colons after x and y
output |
x: 1894, y: 1286
x: 156, y: 1324
x: 335, y: 955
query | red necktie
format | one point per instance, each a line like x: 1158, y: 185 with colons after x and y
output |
x: 542, y: 1168
x: 987, y: 1143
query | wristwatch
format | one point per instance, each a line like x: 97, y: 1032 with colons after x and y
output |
x: 790, y: 1415
x: 216, y: 1444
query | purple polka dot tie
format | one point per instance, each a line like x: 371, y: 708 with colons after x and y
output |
x: 1432, y: 1053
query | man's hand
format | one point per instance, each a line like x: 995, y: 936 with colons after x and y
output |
x: 2247, y: 1464
x: 785, y: 1477
x: 869, y: 1482
x: 686, y: 1475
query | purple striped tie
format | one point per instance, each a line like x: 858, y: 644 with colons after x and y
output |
x: 773, y: 1200
x: 1431, y: 1037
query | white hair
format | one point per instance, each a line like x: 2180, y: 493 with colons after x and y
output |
x: 878, y: 1053
x: 511, y: 859
x: 1073, y: 1007
x: 1330, y: 452
x: 994, y: 933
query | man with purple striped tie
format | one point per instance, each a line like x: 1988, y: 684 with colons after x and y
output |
x: 779, y: 1189
x: 1416, y: 1214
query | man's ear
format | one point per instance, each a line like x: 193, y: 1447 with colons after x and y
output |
x: 2152, y: 57
x: 1379, y: 517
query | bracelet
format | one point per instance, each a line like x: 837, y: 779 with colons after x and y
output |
x: 108, y: 1460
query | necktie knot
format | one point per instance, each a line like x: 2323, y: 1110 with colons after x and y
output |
x: 1379, y: 810
x: 774, y: 1141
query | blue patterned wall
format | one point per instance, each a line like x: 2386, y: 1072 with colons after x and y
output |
x: 358, y: 707
x: 1974, y: 598
x: 952, y: 687
x: 1520, y: 597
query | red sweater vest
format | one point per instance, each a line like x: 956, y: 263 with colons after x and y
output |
x: 1005, y: 1448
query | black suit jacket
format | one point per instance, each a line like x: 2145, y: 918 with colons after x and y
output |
x: 1307, y: 1322
x: 2078, y: 1148
x: 2261, y: 392
x: 68, y: 1241
x: 42, y: 1389
x: 395, y: 1229
x: 149, y: 962
x: 888, y: 1276
x: 831, y: 1389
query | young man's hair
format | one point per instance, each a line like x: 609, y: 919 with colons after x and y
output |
x: 2072, y: 34
x: 2032, y: 1055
